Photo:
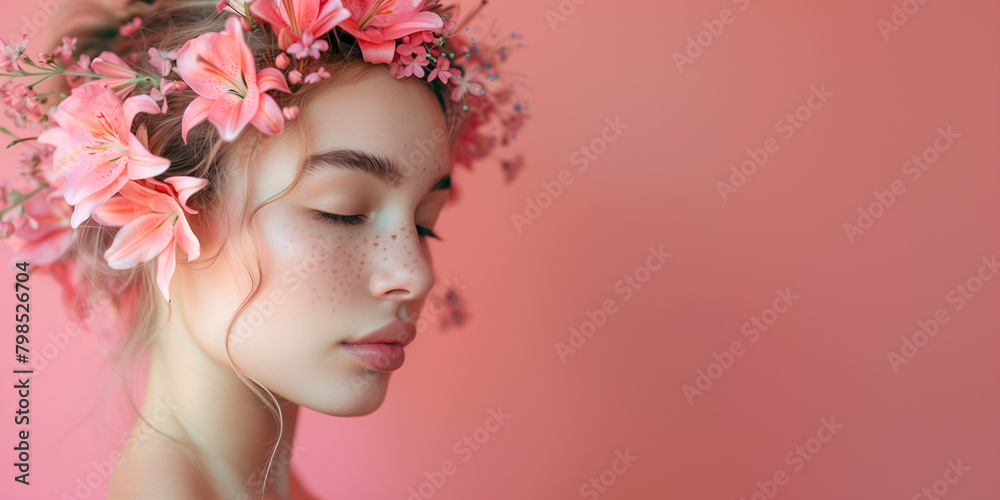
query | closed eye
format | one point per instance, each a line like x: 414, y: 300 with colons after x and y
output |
x: 347, y: 220
x: 354, y: 220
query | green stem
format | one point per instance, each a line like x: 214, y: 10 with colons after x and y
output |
x: 41, y: 186
x: 32, y: 86
x: 14, y: 143
x: 51, y: 73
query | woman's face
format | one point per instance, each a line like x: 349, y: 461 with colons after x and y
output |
x: 342, y: 254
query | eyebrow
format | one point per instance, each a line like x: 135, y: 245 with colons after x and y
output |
x: 381, y: 167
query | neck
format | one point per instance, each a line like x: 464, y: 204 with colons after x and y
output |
x: 227, y: 431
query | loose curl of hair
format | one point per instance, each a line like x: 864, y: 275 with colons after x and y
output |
x: 167, y: 24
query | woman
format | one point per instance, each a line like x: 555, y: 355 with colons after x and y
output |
x: 254, y: 265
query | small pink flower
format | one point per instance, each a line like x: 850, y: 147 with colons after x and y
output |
x: 308, y: 47
x: 65, y: 51
x: 82, y: 66
x: 449, y: 27
x: 377, y: 24
x: 317, y: 75
x: 153, y: 225
x: 21, y: 104
x: 466, y: 86
x: 418, y: 38
x: 442, y: 71
x: 162, y: 60
x: 231, y: 92
x: 131, y: 27
x: 412, y: 60
x: 12, y: 56
x: 293, y: 19
x: 290, y: 112
x: 295, y: 77
x: 95, y: 148
x: 19, y: 97
x: 282, y: 61
x: 236, y: 6
x: 166, y: 87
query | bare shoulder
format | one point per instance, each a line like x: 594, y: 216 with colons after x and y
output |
x: 158, y: 470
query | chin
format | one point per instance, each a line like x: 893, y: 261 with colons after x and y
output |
x: 357, y: 397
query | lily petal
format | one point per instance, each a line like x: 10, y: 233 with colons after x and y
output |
x: 186, y: 187
x: 140, y: 240
x: 376, y: 53
x: 139, y: 104
x: 271, y: 79
x: 187, y: 240
x: 195, y: 113
x: 269, y: 118
x: 47, y: 249
x: 141, y: 163
x: 419, y: 22
x: 332, y: 14
x: 83, y: 209
x: 165, y: 265
x: 117, y: 212
x: 109, y: 64
x: 230, y: 114
x: 93, y: 171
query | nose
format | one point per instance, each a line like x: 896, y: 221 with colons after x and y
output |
x: 402, y: 272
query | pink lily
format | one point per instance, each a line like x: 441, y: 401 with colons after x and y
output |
x: 95, y: 150
x: 47, y: 235
x: 231, y: 92
x: 123, y: 77
x: 377, y: 24
x: 292, y: 20
x: 153, y: 225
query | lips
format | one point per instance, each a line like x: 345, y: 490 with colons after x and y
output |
x: 398, y: 332
x: 382, y: 349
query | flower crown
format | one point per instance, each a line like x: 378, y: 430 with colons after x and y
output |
x: 88, y: 163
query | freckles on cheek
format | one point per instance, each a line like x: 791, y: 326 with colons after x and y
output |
x: 312, y: 268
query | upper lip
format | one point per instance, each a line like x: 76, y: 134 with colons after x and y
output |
x: 398, y: 332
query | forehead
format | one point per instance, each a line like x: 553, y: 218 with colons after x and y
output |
x: 399, y: 120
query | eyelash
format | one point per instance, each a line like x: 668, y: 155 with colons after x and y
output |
x: 354, y: 220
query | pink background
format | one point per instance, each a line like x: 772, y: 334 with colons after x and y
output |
x: 825, y: 357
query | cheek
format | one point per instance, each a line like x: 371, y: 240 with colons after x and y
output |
x: 318, y: 269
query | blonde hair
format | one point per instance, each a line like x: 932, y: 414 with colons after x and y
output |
x: 167, y: 24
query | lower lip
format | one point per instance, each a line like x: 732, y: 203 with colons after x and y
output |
x: 383, y: 357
